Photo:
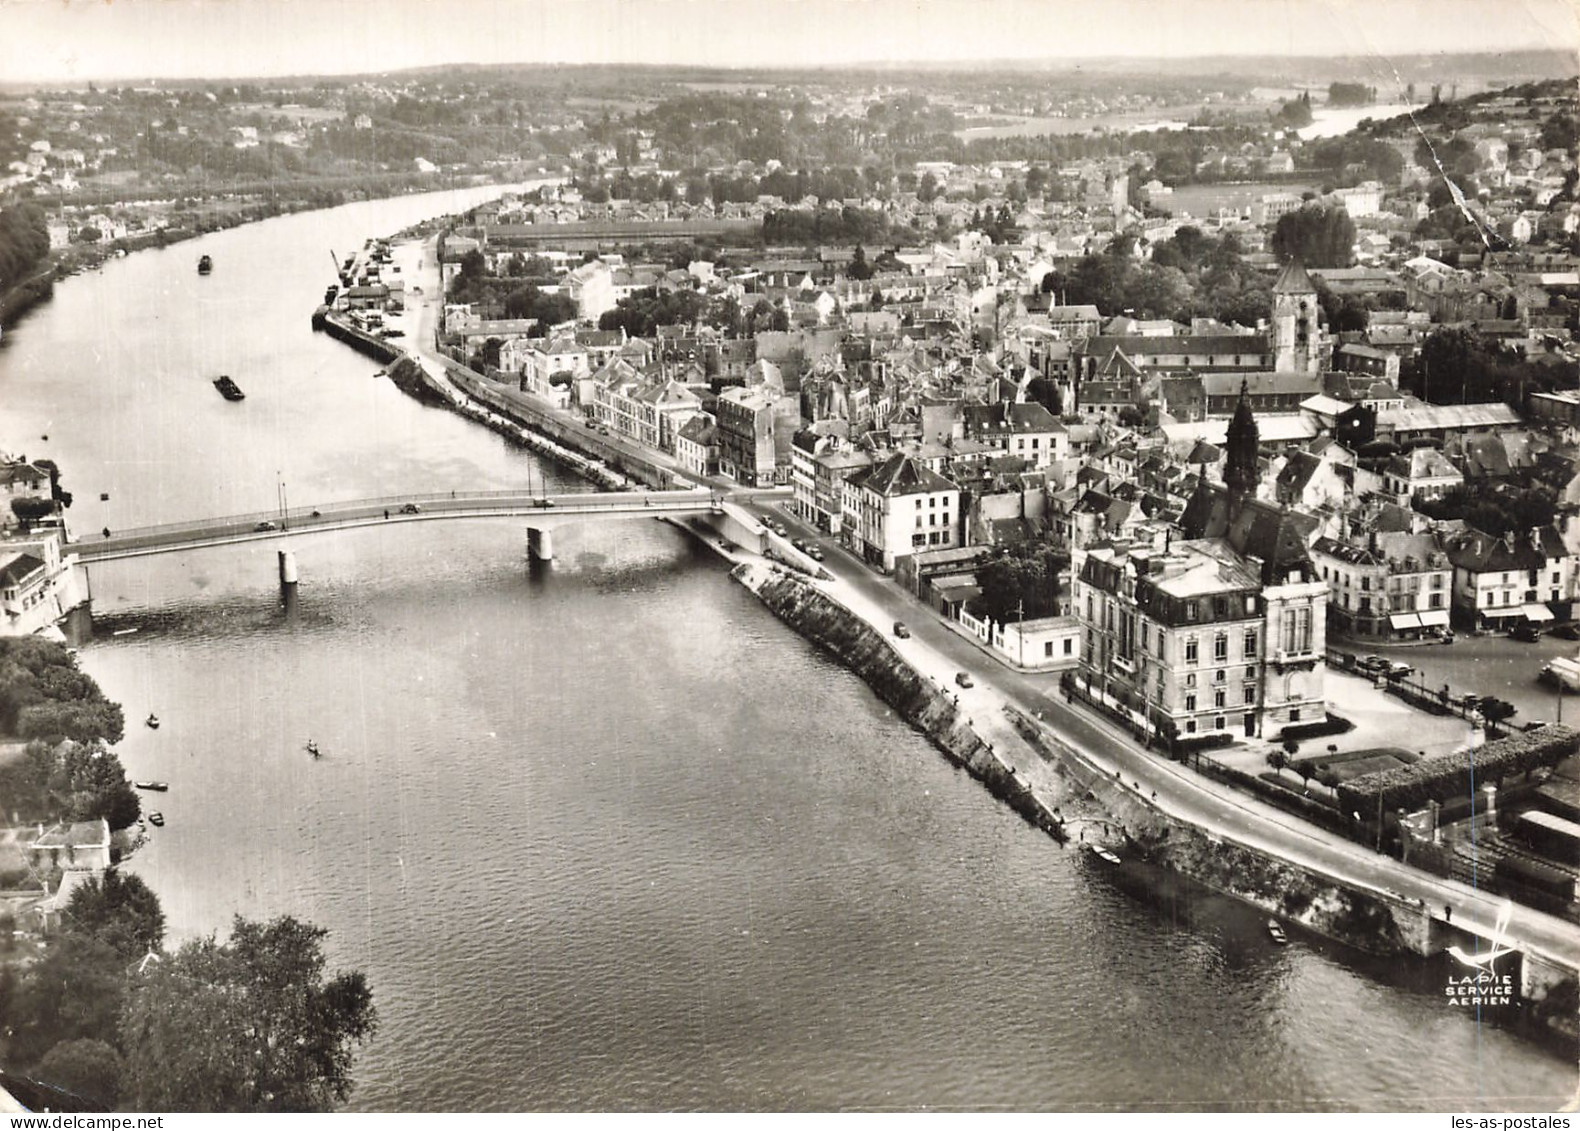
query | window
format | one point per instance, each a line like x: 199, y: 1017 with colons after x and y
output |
x: 1190, y: 727
x: 1190, y: 679
x: 1047, y: 649
x: 1219, y: 699
x: 1146, y: 636
x: 1294, y: 714
x: 1297, y: 630
x: 1250, y: 644
x: 1220, y: 647
x: 1067, y: 645
x: 1250, y: 694
x: 1190, y: 702
x: 1218, y: 676
x: 1217, y: 724
x: 1190, y: 649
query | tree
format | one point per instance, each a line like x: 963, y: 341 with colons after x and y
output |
x: 859, y: 268
x: 1317, y: 235
x: 1496, y: 710
x: 1278, y: 760
x: 75, y: 991
x: 119, y: 910
x: 246, y: 1025
x: 86, y: 1068
x: 1021, y: 583
x: 473, y: 265
x: 30, y: 508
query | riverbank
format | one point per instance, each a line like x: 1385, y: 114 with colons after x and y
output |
x: 1374, y: 919
x: 262, y: 203
x: 413, y: 378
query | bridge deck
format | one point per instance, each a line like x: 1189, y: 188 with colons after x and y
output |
x: 174, y: 537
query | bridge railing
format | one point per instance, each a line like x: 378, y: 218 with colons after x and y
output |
x: 254, y: 517
x: 333, y: 514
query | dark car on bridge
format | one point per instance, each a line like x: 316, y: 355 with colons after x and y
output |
x: 265, y: 525
x: 411, y: 508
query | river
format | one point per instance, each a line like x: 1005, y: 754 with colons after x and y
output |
x: 606, y: 835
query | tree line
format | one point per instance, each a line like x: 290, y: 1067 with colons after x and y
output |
x: 108, y: 1016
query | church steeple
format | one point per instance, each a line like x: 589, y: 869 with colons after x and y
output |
x: 1240, y: 471
x: 1295, y: 321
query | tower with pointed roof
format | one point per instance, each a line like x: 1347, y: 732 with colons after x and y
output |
x: 1295, y: 329
x: 1240, y: 471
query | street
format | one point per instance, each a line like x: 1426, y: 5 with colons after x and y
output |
x: 939, y: 653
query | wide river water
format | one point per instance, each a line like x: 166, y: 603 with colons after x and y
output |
x: 606, y: 835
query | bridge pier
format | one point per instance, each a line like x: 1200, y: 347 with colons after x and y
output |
x: 540, y: 543
x: 287, y: 567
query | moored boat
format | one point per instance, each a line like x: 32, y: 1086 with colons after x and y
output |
x: 155, y: 786
x: 152, y: 721
x: 205, y: 265
x: 1275, y: 931
x: 157, y: 820
x: 228, y: 389
x: 1104, y: 854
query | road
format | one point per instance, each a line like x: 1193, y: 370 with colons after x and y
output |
x: 395, y: 509
x: 1220, y: 810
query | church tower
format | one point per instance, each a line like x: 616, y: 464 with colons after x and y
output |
x: 1295, y: 329
x: 1240, y: 471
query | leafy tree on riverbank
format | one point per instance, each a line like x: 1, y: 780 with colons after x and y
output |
x: 24, y: 242
x: 44, y: 695
x: 119, y: 910
x: 81, y: 782
x: 250, y: 1024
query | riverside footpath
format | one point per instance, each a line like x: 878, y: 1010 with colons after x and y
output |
x: 1143, y: 790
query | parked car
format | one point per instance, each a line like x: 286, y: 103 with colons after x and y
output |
x: 411, y: 508
x: 814, y: 553
x: 900, y: 630
x: 1397, y: 670
x: 1526, y: 633
x: 1371, y: 665
x: 266, y: 525
x: 964, y: 679
x: 591, y: 423
x: 1568, y: 631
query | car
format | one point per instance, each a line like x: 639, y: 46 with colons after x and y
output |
x: 964, y: 679
x: 798, y: 544
x: 814, y: 553
x: 265, y: 525
x: 1568, y: 631
x: 1397, y: 670
x: 411, y: 508
x: 901, y: 631
x: 1526, y: 633
x: 591, y: 423
x: 1371, y: 665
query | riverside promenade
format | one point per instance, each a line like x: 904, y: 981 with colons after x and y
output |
x: 1170, y: 787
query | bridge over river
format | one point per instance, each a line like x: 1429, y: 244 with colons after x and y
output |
x: 545, y: 510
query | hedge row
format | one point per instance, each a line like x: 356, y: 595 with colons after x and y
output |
x: 1452, y: 775
x: 1332, y: 724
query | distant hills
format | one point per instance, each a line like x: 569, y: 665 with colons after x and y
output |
x: 1473, y: 70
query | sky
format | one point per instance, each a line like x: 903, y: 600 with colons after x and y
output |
x: 78, y: 40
